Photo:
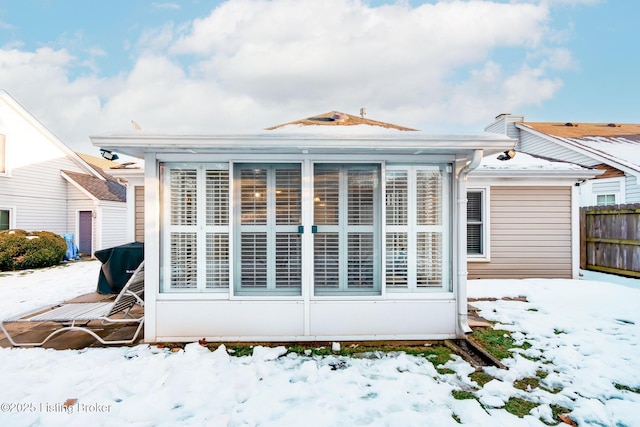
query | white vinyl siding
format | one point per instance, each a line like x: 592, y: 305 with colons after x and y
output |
x: 417, y: 250
x: 542, y: 147
x: 607, y: 191
x: 112, y: 214
x: 3, y: 159
x: 632, y: 189
x: 196, y: 237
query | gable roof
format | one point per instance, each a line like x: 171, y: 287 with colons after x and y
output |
x: 57, y: 142
x: 336, y: 118
x: 615, y: 144
x: 98, y: 189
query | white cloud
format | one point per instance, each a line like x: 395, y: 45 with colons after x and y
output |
x: 255, y: 63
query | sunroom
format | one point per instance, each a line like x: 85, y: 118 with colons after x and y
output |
x: 305, y: 235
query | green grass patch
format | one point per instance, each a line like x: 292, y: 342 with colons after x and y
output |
x: 462, y: 395
x: 480, y: 378
x: 527, y: 383
x: 557, y: 410
x: 497, y: 342
x: 436, y: 354
x: 519, y: 407
x: 439, y: 355
x: 559, y: 331
x: 532, y: 309
x: 627, y: 388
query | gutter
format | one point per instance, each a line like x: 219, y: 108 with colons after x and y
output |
x: 462, y: 327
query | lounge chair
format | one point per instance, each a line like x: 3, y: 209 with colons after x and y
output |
x: 79, y: 316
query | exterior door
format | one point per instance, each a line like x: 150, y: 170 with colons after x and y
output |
x: 85, y: 231
x: 346, y: 206
x: 268, y: 229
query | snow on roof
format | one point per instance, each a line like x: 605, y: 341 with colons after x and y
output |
x: 618, y: 143
x: 360, y: 129
x: 527, y: 166
x: 622, y: 149
x: 336, y: 119
x: 525, y: 161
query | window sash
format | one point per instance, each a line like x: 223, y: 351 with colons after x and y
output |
x: 605, y: 199
x: 478, y: 224
x: 196, y: 237
x: 475, y: 223
x: 417, y: 249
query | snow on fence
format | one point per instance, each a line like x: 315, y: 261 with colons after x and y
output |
x: 610, y: 239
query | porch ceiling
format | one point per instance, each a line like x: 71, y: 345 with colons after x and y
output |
x: 280, y: 143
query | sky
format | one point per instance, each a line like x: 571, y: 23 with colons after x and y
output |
x: 199, y: 66
x: 582, y: 347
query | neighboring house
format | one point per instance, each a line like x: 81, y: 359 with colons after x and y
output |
x: 523, y: 218
x: 44, y: 185
x: 335, y: 227
x: 611, y: 147
x: 131, y: 175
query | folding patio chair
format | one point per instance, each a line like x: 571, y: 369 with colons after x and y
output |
x: 85, y: 316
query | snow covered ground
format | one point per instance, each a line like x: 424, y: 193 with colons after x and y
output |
x: 584, y: 335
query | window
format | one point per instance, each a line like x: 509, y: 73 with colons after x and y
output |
x: 5, y: 219
x: 346, y: 240
x: 196, y: 199
x: 607, y: 191
x: 3, y: 159
x: 417, y: 249
x: 268, y: 242
x: 477, y: 224
x: 259, y: 229
x: 605, y: 199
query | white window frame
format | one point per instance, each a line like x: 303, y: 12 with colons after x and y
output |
x: 485, y: 256
x: 379, y: 246
x: 235, y: 237
x: 200, y: 228
x: 166, y: 293
x: 12, y: 216
x: 413, y: 229
x: 616, y: 197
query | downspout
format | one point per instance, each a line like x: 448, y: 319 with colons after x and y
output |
x: 461, y: 297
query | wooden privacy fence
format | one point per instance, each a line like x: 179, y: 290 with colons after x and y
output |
x: 610, y: 239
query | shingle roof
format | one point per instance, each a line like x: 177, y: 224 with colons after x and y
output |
x: 336, y: 118
x: 108, y: 190
x: 617, y: 143
x: 579, y: 130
